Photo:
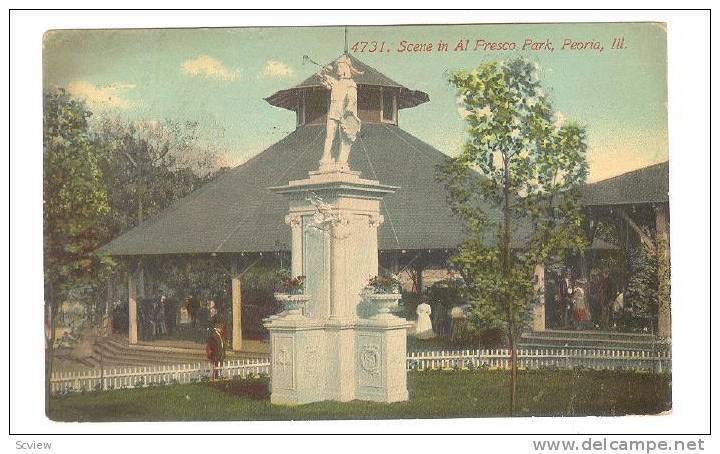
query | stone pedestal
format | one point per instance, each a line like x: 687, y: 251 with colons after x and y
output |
x: 339, y: 348
x: 381, y: 356
x: 294, y: 342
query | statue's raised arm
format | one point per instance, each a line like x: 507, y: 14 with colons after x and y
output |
x: 326, y: 79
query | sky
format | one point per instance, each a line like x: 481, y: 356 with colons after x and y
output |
x: 219, y: 78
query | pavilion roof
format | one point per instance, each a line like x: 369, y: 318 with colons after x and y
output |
x: 236, y: 212
x: 646, y: 185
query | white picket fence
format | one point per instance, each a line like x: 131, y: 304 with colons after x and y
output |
x: 138, y: 377
x: 642, y: 360
x: 134, y: 377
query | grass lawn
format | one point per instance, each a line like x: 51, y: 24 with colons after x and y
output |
x: 433, y: 394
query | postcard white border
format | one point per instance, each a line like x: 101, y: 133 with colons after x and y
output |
x: 689, y: 127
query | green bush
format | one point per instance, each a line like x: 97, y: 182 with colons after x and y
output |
x: 408, y: 305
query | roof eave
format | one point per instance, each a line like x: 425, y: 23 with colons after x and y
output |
x: 407, y: 99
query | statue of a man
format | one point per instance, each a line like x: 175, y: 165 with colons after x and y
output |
x: 342, y: 114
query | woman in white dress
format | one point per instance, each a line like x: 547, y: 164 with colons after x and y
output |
x: 423, y: 329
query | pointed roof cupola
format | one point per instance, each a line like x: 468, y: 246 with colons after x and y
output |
x: 379, y: 97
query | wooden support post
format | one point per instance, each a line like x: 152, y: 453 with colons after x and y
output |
x: 643, y: 236
x: 662, y: 225
x: 236, y: 308
x: 141, y: 279
x: 419, y: 268
x: 395, y: 264
x: 132, y: 308
x: 538, y: 320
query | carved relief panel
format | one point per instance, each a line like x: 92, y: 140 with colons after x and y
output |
x: 369, y: 360
x: 283, y: 362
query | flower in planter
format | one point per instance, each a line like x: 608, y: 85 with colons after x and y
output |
x: 292, y: 285
x: 384, y: 283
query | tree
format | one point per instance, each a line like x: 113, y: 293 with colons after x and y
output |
x: 74, y: 206
x: 648, y: 279
x: 102, y: 177
x: 148, y: 166
x: 515, y: 184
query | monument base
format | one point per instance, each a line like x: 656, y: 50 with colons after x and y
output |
x: 381, y: 359
x: 337, y: 359
x: 332, y: 351
x: 295, y: 340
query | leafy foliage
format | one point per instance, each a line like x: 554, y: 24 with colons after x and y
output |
x: 74, y: 206
x: 515, y: 184
x: 643, y: 285
x: 260, y: 282
x: 205, y: 278
x: 103, y: 176
x: 448, y: 292
x: 148, y: 166
x: 75, y: 201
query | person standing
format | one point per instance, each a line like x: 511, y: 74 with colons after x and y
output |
x: 603, y: 298
x: 192, y: 305
x: 160, y: 317
x: 212, y: 311
x: 215, y: 349
x: 581, y: 312
x: 565, y: 290
x: 423, y: 328
x: 168, y: 307
x: 617, y: 308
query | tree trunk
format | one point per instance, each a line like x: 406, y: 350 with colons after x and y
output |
x: 513, y: 374
x: 505, y: 258
x: 50, y: 320
x: 48, y: 373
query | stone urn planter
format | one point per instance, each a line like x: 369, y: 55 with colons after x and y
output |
x: 293, y: 304
x: 383, y: 303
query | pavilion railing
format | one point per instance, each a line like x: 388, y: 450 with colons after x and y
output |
x: 139, y: 377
